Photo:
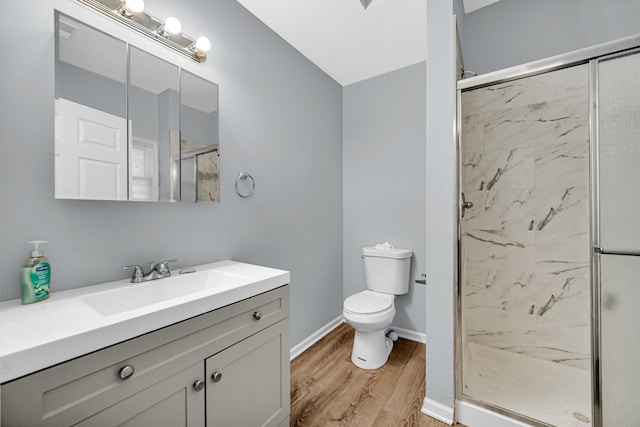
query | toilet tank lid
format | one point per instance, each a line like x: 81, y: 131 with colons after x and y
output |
x: 396, y: 253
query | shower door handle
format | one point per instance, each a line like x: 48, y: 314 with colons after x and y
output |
x: 465, y: 205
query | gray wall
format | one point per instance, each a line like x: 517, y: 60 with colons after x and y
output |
x: 441, y: 243
x: 198, y: 126
x: 513, y: 32
x: 280, y: 120
x: 91, y: 89
x: 384, y: 178
x: 144, y: 113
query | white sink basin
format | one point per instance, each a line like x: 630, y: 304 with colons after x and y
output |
x: 137, y: 295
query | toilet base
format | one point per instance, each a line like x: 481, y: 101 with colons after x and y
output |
x: 371, y: 349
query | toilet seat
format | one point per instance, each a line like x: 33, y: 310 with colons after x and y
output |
x: 368, y: 302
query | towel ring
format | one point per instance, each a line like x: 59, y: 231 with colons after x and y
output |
x: 244, y: 176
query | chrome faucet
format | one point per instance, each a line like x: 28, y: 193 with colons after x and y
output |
x: 156, y: 271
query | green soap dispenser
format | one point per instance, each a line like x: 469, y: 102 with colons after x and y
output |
x: 36, y: 275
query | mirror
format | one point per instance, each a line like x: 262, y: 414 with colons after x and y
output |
x: 154, y: 114
x: 90, y: 113
x: 199, y: 148
x: 129, y: 125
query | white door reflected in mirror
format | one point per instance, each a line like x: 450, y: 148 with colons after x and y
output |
x: 91, y: 153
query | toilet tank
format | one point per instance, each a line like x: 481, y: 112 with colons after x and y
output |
x: 387, y: 270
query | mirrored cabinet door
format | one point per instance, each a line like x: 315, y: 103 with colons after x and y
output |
x: 154, y: 117
x: 90, y: 113
x: 199, y: 147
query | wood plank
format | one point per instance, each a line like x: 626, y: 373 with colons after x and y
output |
x: 327, y: 389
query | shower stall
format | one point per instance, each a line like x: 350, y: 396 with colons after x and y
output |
x: 549, y: 240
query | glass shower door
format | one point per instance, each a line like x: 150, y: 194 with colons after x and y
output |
x: 618, y: 114
x: 525, y: 272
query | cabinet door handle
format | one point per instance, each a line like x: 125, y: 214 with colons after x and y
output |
x: 126, y: 372
x: 198, y: 385
x: 257, y: 315
x: 216, y: 377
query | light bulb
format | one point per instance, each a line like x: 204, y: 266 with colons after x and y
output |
x: 203, y: 44
x: 171, y: 26
x: 131, y: 7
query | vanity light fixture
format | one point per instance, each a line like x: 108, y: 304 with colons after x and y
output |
x: 132, y: 14
x: 130, y: 7
x: 171, y: 26
x: 201, y: 47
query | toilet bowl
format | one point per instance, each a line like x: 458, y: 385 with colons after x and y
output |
x: 372, y: 311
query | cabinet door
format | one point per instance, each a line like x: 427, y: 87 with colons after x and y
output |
x: 248, y: 383
x: 173, y: 402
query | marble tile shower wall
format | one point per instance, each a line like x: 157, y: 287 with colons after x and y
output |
x: 525, y: 247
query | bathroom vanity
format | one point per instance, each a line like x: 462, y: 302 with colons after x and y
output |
x: 223, y: 366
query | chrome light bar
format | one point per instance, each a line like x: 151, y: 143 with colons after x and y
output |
x: 131, y: 13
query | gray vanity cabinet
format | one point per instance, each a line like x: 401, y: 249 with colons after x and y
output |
x: 248, y: 384
x: 171, y: 381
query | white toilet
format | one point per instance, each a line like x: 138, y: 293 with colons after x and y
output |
x: 386, y: 272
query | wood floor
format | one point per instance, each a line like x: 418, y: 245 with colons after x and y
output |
x: 328, y: 390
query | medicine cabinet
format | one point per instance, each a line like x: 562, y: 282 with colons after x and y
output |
x: 130, y: 125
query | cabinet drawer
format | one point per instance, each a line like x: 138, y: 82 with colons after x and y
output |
x: 70, y: 392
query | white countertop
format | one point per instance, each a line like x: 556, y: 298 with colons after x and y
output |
x: 76, y: 322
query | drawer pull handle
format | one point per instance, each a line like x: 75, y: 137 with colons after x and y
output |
x: 126, y: 372
x: 198, y: 385
x: 216, y: 377
x: 257, y: 315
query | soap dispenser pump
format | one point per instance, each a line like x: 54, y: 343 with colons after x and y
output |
x: 36, y: 275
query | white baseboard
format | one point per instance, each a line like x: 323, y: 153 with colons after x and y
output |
x: 410, y: 335
x: 297, y: 349
x: 475, y: 416
x: 438, y: 411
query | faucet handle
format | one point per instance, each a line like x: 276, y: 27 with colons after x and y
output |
x: 137, y: 272
x: 163, y: 267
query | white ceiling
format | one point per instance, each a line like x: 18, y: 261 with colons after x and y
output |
x: 347, y: 41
